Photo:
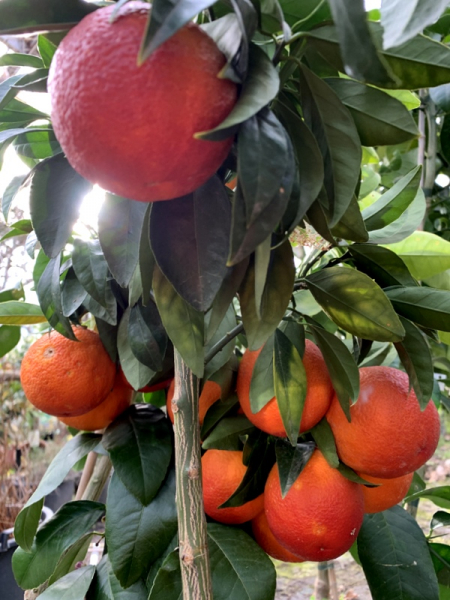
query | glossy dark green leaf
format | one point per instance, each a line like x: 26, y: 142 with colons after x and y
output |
x: 289, y: 384
x: 351, y: 475
x: 72, y: 586
x: 323, y: 436
x: 275, y: 299
x: 56, y: 193
x: 262, y: 388
x: 70, y: 522
x: 379, y: 118
x: 422, y: 305
x: 317, y: 217
x: 403, y: 227
x: 11, y: 192
x: 227, y: 434
x: 415, y: 355
x: 262, y: 260
x: 137, y: 535
x: 37, y: 144
x: 9, y: 338
x: 108, y: 314
x: 308, y: 12
x: 28, y: 518
x: 189, y: 238
x: 140, y: 446
x: 146, y: 260
x: 440, y: 95
x: 184, y: 324
x: 382, y: 265
x: 74, y: 554
x: 402, y: 20
x: 72, y: 293
x: 222, y: 357
x: 147, y: 336
x: 228, y: 36
x: 394, y: 555
x: 291, y: 460
x: 27, y: 16
x: 49, y: 296
x: 260, y: 87
x: 440, y: 555
x: 419, y: 63
x: 119, y: 229
x: 350, y: 19
x: 91, y: 269
x: 440, y: 519
x: 106, y: 586
x: 356, y: 303
x: 351, y: 225
x: 261, y: 140
x: 341, y: 366
x: 240, y: 568
x: 393, y: 203
x: 216, y: 412
x: 333, y: 126
x: 439, y: 495
x: 167, y: 583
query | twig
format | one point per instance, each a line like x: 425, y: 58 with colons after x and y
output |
x: 223, y: 342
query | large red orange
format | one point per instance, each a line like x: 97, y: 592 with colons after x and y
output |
x: 389, y: 436
x: 131, y: 128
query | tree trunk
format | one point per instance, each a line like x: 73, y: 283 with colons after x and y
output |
x: 192, y: 535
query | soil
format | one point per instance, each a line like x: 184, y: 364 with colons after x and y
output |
x: 297, y: 581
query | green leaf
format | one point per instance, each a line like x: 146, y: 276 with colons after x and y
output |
x: 424, y: 253
x: 425, y: 306
x: 119, y: 229
x: 9, y: 338
x: 289, y: 383
x: 440, y: 555
x: 440, y: 519
x: 353, y: 32
x: 393, y: 203
x: 28, y: 518
x: 382, y: 265
x: 184, y: 324
x: 351, y: 225
x: 404, y: 227
x: 56, y: 194
x: 355, y: 303
x: 135, y: 372
x: 49, y: 296
x: 228, y: 36
x: 65, y: 527
x: 275, y: 299
x: 380, y: 119
x: 18, y: 113
x: 341, y: 366
x: 402, y: 20
x: 140, y: 446
x: 21, y: 60
x: 291, y: 460
x: 137, y: 535
x: 91, y: 269
x: 7, y: 93
x: 73, y: 293
x: 46, y: 49
x: 395, y: 558
x: 107, y: 587
x: 15, y: 293
x: 71, y: 556
x: 189, y: 239
x: 415, y: 355
x: 147, y: 336
x: 11, y: 192
x: 167, y: 583
x: 324, y: 438
x: 333, y: 126
x: 222, y: 357
x: 440, y: 95
x: 439, y: 495
x: 27, y: 16
x: 260, y: 87
x: 262, y: 388
x: 37, y: 144
x: 240, y: 568
x: 72, y: 586
x: 226, y: 435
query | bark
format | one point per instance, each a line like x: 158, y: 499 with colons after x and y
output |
x: 192, y: 534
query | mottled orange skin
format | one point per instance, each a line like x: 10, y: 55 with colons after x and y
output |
x: 131, y: 128
x: 318, y: 394
x: 222, y: 472
x: 66, y: 378
x: 388, y: 493
x: 118, y: 400
x: 210, y: 394
x: 320, y: 516
x: 269, y: 543
x: 389, y: 436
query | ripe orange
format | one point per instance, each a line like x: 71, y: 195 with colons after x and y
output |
x: 131, y: 128
x: 102, y: 415
x: 389, y: 493
x: 210, y: 393
x: 320, y: 516
x: 65, y: 378
x: 389, y: 435
x: 269, y: 543
x: 222, y: 472
x: 318, y: 396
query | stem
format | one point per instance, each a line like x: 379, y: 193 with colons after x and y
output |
x: 86, y: 474
x: 223, y: 342
x: 192, y: 534
x: 98, y: 479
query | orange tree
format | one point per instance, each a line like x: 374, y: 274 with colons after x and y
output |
x: 315, y: 240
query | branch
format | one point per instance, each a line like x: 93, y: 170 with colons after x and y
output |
x: 223, y: 342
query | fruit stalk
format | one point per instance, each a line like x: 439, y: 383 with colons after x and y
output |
x: 192, y: 534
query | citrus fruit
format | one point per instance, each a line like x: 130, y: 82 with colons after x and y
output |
x: 319, y: 392
x: 320, y: 516
x: 67, y: 378
x: 269, y: 543
x: 222, y: 472
x: 389, y: 435
x: 210, y: 393
x: 102, y: 415
x: 129, y: 127
x: 388, y: 493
